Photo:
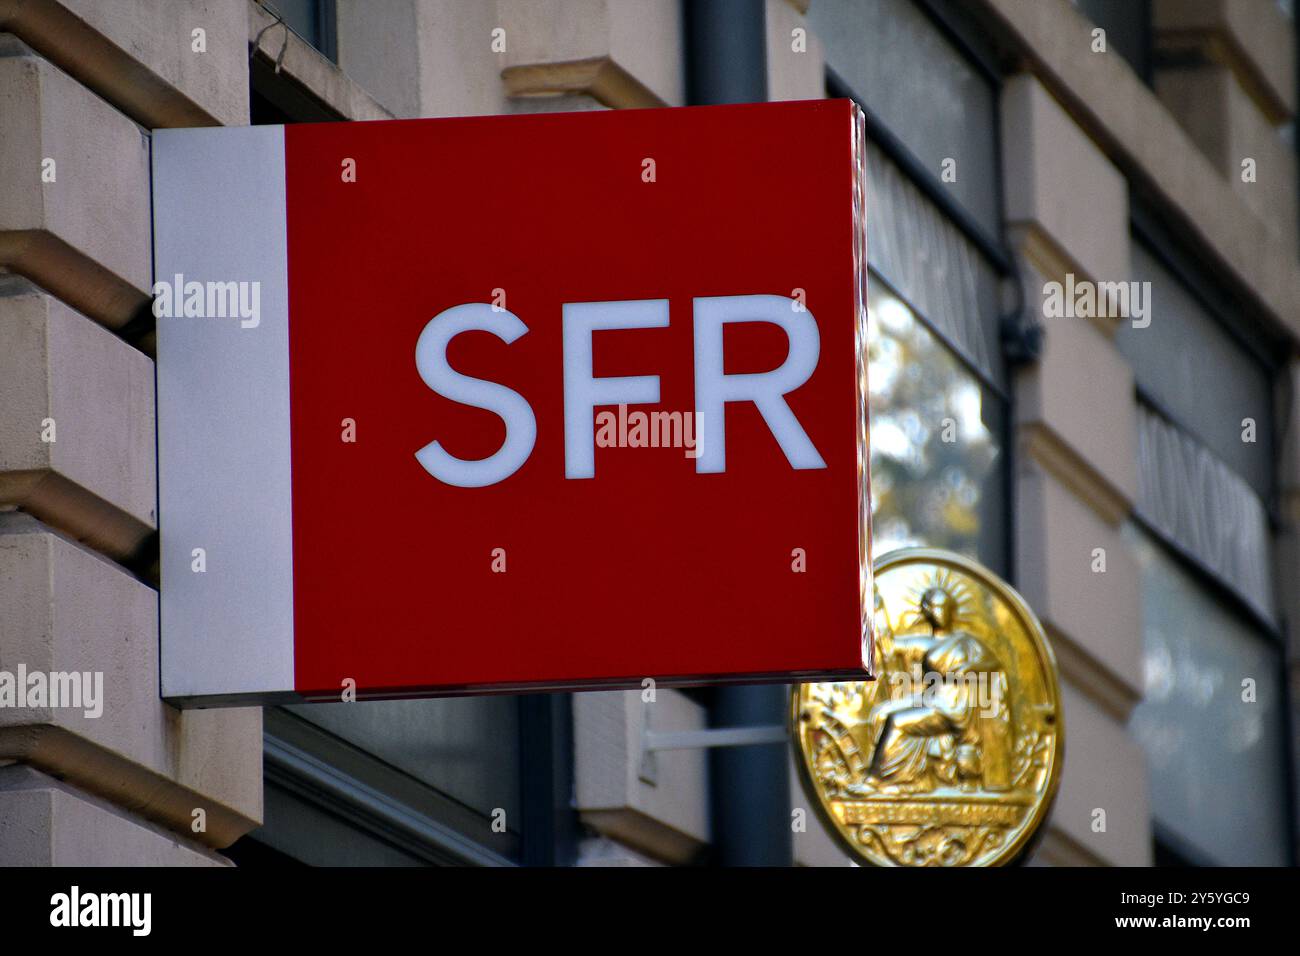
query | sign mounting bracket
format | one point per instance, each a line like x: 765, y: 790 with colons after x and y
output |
x: 654, y: 741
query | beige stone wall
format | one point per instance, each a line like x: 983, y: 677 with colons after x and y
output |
x: 444, y: 58
x: 80, y: 85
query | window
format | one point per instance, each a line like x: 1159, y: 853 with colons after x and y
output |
x: 1128, y: 29
x: 465, y: 751
x: 1213, y: 719
x: 1205, y: 454
x: 313, y: 20
x: 917, y: 83
x: 386, y: 787
x: 277, y: 98
x: 1215, y: 745
x: 937, y: 431
x: 477, y: 780
x: 1185, y: 347
x: 937, y: 375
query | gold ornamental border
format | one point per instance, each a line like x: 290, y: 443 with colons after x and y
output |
x: 1030, y: 834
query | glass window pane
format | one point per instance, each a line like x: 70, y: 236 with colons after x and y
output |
x: 304, y: 832
x: 1189, y: 363
x: 933, y: 265
x: 1128, y: 29
x: 465, y: 747
x: 309, y: 19
x: 936, y: 441
x: 921, y: 87
x: 1216, y: 762
x: 1196, y: 501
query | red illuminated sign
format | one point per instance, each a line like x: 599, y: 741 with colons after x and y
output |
x: 546, y: 401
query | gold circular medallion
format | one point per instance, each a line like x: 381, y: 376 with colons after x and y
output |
x: 952, y: 755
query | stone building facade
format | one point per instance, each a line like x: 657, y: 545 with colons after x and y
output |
x: 1139, y: 483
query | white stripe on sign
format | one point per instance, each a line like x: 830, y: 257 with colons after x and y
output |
x: 225, y: 519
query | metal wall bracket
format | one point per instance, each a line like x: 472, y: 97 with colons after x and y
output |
x: 653, y: 741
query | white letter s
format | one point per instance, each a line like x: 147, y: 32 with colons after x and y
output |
x: 513, y: 408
